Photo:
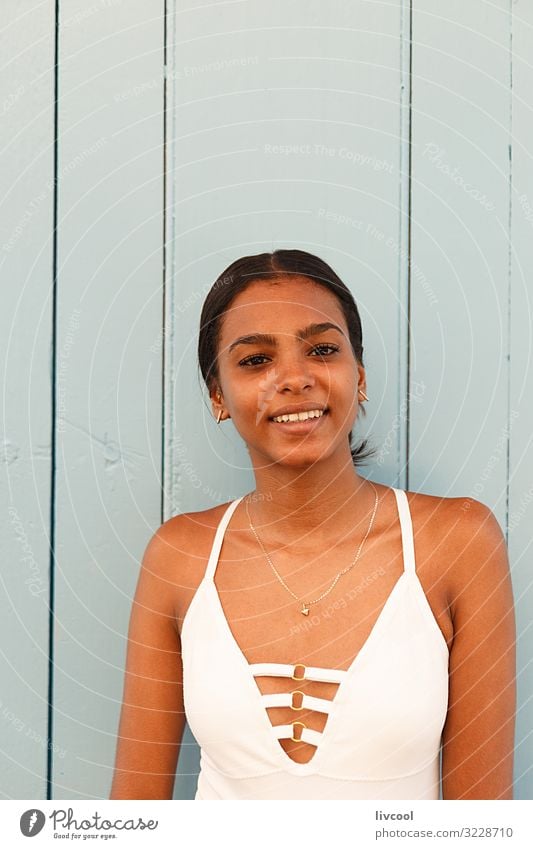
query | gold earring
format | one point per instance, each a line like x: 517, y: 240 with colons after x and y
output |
x: 218, y: 417
x: 364, y: 396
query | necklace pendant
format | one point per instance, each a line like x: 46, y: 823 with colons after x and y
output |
x: 305, y: 610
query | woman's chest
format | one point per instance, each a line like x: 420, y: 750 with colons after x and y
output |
x: 261, y: 597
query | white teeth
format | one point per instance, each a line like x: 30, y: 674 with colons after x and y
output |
x: 300, y: 417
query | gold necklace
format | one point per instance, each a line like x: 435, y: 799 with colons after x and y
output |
x: 305, y: 606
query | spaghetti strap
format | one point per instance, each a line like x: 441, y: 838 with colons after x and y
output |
x: 219, y: 536
x: 406, y: 526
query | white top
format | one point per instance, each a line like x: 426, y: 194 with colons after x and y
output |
x: 383, y: 732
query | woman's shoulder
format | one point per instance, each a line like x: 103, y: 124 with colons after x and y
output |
x: 466, y: 540
x: 183, y: 544
x: 194, y: 522
x: 189, y: 535
x: 461, y: 515
x: 468, y: 522
x: 480, y: 563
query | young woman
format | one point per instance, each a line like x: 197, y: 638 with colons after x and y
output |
x: 324, y: 636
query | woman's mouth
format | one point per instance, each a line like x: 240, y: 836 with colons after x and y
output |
x: 300, y: 423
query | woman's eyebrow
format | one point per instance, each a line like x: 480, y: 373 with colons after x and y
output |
x: 268, y: 339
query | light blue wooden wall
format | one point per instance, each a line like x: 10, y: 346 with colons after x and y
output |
x: 145, y: 146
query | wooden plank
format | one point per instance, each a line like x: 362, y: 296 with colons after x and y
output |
x: 109, y: 366
x: 26, y: 268
x: 459, y: 280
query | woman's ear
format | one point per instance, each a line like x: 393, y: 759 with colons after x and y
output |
x: 361, y: 382
x: 217, y: 402
x: 215, y: 392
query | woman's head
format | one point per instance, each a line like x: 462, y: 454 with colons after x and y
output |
x: 283, y: 291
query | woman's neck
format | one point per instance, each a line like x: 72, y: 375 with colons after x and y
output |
x: 303, y: 505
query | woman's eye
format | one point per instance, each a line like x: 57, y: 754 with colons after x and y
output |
x: 248, y: 360
x: 326, y: 345
x: 322, y: 349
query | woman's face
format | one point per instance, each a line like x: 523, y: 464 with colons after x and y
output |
x: 260, y: 377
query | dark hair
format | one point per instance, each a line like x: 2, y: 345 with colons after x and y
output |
x: 244, y: 271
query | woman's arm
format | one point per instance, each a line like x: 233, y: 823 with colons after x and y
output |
x: 152, y: 718
x: 478, y: 737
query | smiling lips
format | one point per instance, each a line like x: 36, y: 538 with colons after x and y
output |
x: 299, y: 417
x: 300, y: 424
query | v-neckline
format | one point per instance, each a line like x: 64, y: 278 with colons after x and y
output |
x: 284, y: 759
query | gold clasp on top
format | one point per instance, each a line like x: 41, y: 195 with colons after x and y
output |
x: 294, y: 677
x: 297, y: 739
x: 293, y: 706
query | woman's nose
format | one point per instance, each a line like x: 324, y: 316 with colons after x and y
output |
x: 293, y: 372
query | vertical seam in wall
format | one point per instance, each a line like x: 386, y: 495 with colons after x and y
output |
x: 169, y: 447
x: 408, y: 381
x: 163, y: 316
x: 168, y: 470
x: 404, y: 260
x: 51, y: 606
x: 509, y: 272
